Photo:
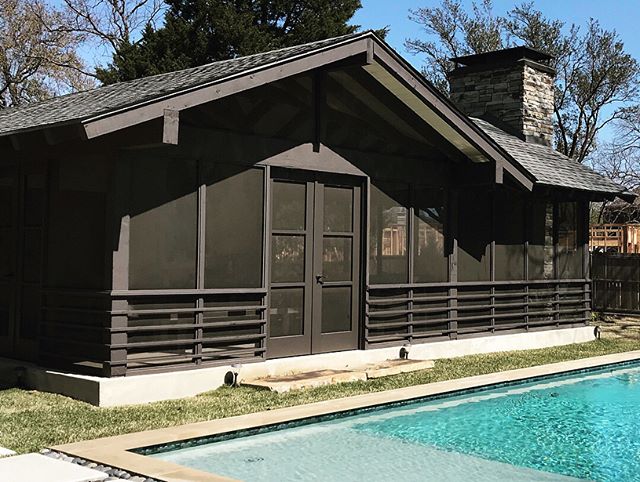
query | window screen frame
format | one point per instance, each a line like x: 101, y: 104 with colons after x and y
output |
x: 125, y: 173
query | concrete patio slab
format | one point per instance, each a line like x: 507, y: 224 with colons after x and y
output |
x: 297, y: 381
x: 38, y: 468
x: 396, y: 367
x: 318, y: 378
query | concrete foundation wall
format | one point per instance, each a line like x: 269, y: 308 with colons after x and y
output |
x: 110, y: 392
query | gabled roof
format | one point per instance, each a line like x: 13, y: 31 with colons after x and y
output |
x: 91, y: 103
x: 549, y: 167
x: 117, y: 106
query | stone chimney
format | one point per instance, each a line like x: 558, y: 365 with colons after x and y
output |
x: 512, y: 88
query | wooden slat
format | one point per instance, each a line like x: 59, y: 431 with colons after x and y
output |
x: 565, y: 298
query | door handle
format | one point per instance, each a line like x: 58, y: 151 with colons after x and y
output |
x: 320, y: 279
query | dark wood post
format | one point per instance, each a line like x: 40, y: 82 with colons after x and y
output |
x: 586, y: 274
x: 119, y: 238
x: 410, y: 246
x: 492, y: 259
x: 453, y: 264
x: 528, y: 209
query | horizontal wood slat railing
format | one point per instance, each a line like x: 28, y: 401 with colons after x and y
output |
x: 427, y: 312
x: 173, y: 331
x: 126, y: 332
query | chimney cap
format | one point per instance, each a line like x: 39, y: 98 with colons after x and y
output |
x: 503, y: 56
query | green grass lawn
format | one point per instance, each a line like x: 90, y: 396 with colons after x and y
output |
x: 31, y: 420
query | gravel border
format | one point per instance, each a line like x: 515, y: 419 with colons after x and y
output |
x: 113, y: 473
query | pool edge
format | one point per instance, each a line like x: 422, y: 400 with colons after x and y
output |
x: 116, y: 450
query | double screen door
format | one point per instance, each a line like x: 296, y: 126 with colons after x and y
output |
x: 314, y: 265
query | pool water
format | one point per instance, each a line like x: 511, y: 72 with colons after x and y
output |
x: 575, y: 427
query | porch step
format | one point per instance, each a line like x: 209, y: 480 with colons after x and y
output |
x: 297, y: 381
x: 318, y: 378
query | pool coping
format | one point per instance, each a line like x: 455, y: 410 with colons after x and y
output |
x: 115, y: 451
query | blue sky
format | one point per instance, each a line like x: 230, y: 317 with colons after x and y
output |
x: 620, y: 15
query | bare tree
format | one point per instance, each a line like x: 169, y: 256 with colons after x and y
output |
x: 110, y: 23
x: 619, y: 160
x: 452, y: 32
x: 596, y: 78
x: 38, y: 53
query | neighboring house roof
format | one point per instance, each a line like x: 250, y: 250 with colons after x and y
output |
x: 112, y: 107
x: 550, y: 167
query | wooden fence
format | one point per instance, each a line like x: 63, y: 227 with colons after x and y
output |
x: 615, y: 238
x: 616, y: 282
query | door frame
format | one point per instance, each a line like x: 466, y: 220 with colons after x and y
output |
x: 313, y: 341
x: 338, y: 341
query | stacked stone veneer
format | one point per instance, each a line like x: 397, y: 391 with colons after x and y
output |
x: 519, y: 95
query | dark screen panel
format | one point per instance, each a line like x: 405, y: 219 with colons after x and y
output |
x: 510, y: 234
x: 430, y: 260
x: 569, y: 245
x: 289, y: 205
x: 234, y: 221
x: 163, y: 224
x: 474, y: 236
x: 287, y: 258
x: 336, y: 309
x: 8, y: 186
x: 76, y: 232
x: 388, y: 256
x: 338, y: 209
x: 287, y: 312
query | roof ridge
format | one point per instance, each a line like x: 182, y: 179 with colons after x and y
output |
x: 235, y: 59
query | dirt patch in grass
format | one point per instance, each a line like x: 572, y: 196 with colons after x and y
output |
x: 627, y: 327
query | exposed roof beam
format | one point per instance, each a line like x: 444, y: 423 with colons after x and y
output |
x: 499, y: 177
x: 375, y: 106
x: 408, y: 86
x: 385, y: 128
x: 170, y: 127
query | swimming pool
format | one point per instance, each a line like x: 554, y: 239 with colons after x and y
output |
x: 580, y: 426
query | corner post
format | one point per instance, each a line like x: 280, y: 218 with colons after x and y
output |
x: 119, y: 239
x: 453, y: 264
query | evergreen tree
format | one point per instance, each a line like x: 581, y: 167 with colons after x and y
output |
x: 197, y: 32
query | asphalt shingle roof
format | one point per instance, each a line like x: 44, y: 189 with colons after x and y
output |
x: 547, y: 165
x: 84, y: 105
